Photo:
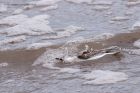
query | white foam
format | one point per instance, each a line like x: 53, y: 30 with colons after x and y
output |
x: 70, y: 30
x: 76, y: 40
x: 49, y: 66
x: 41, y: 17
x: 66, y: 32
x: 4, y: 49
x: 109, y: 13
x: 104, y: 36
x: 99, y: 7
x: 132, y: 51
x: 27, y: 7
x: 3, y: 64
x: 102, y: 2
x: 80, y: 1
x: 69, y: 70
x: 13, y: 40
x: 44, y: 2
x: 52, y: 7
x: 137, y: 43
x: 17, y: 11
x: 136, y: 26
x: 37, y: 25
x: 38, y: 45
x: 133, y: 3
x: 104, y: 77
x: 129, y: 12
x: 13, y: 20
x: 70, y: 59
x: 3, y: 8
x: 120, y: 18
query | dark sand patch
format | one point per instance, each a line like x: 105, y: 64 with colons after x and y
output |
x: 20, y: 55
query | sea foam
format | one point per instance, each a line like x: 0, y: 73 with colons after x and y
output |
x: 14, y: 20
x: 104, y: 77
x: 44, y: 2
x: 37, y: 25
x: 69, y: 70
x: 3, y: 8
x: 137, y: 43
x: 38, y: 45
x: 13, y: 40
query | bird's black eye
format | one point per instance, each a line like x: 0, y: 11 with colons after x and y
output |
x: 61, y: 59
x: 107, y: 51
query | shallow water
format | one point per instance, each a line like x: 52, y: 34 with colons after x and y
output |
x: 94, y: 22
x: 19, y: 76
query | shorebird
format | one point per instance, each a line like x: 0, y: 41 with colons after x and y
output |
x: 90, y: 54
x: 96, y: 54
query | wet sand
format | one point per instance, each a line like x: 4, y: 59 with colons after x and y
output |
x: 20, y: 55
